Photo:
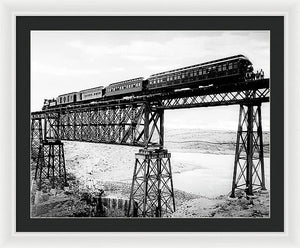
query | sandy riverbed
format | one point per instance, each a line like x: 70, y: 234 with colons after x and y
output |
x: 201, y: 181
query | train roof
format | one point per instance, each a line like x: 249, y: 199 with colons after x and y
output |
x: 98, y: 87
x: 127, y: 81
x: 67, y: 94
x: 201, y: 64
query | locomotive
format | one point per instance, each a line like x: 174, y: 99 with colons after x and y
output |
x: 232, y: 69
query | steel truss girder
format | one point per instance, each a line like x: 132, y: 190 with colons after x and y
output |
x: 248, y: 171
x: 242, y: 89
x: 134, y: 124
x: 152, y: 184
x: 216, y: 99
x: 139, y: 121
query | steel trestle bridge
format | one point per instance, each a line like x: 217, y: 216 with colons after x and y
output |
x: 139, y: 121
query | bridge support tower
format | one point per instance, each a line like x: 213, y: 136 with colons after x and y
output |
x: 248, y: 171
x: 36, y: 136
x: 51, y: 164
x: 152, y: 184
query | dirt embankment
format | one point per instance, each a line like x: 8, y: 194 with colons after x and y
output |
x: 97, y: 167
x: 73, y: 201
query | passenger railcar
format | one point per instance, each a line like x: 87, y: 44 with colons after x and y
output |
x: 126, y: 87
x: 221, y: 70
x: 91, y: 93
x: 67, y: 98
x: 227, y: 70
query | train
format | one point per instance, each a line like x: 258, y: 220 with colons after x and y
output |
x: 237, y: 68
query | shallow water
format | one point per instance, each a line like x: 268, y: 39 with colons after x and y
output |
x: 211, y: 176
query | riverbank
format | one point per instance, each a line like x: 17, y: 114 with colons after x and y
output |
x: 201, y: 183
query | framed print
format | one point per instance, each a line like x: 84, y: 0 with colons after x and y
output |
x: 150, y: 123
x: 20, y: 228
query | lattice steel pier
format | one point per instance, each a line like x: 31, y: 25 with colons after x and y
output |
x: 36, y: 136
x: 51, y: 164
x: 152, y: 184
x: 249, y: 171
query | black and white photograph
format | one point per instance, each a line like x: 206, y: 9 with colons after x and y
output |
x: 150, y: 124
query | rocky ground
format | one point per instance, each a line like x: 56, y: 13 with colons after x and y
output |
x: 95, y: 169
x: 224, y: 207
x: 74, y: 201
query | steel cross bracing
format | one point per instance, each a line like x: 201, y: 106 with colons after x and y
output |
x: 51, y: 164
x: 251, y: 92
x: 248, y: 170
x: 152, y: 184
x: 139, y: 121
x: 134, y: 124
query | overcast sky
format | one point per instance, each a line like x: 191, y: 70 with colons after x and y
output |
x: 67, y: 61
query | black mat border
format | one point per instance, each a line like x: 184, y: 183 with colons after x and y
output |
x: 24, y: 24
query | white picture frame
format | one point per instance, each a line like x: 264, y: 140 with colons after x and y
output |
x: 10, y: 9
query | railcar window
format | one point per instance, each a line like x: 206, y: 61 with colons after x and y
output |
x: 230, y: 66
x: 204, y: 71
x: 235, y: 66
x: 200, y: 72
x: 64, y: 99
x: 224, y: 67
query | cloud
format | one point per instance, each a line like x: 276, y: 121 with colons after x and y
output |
x: 60, y: 71
x: 86, y: 59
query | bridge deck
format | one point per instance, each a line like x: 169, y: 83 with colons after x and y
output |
x: 244, y: 92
